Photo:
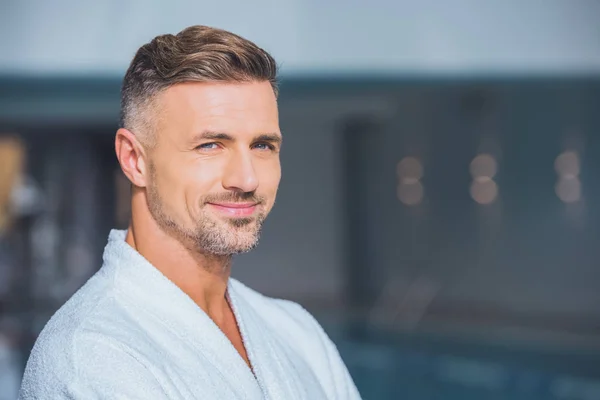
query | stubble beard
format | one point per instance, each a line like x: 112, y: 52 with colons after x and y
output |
x: 211, y: 235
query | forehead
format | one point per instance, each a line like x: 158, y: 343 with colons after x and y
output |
x: 234, y: 108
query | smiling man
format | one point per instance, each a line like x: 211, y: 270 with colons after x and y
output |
x: 162, y: 319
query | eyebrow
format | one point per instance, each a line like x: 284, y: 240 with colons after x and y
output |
x: 210, y: 135
x: 269, y: 137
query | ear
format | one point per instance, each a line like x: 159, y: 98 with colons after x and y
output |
x: 132, y: 157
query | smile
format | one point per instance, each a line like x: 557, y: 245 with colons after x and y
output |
x: 235, y: 209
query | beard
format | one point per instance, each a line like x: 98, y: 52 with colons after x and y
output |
x: 212, y: 234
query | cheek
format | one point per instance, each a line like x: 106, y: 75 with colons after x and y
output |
x: 198, y: 182
x: 182, y: 187
x: 173, y: 184
x: 270, y: 179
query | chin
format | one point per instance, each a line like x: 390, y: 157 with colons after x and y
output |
x: 231, y: 240
x: 230, y: 249
x: 244, y: 243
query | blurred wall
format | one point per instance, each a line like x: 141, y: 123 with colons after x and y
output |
x: 311, y: 36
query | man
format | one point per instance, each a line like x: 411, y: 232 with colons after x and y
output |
x: 162, y: 319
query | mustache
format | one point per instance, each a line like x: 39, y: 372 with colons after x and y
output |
x: 234, y: 198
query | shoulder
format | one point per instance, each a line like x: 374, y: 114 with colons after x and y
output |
x: 84, y: 329
x: 90, y: 309
x: 85, y: 364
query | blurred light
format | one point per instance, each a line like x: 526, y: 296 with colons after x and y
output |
x: 484, y: 190
x: 568, y: 189
x: 410, y: 169
x: 567, y: 164
x: 484, y: 165
x: 410, y: 193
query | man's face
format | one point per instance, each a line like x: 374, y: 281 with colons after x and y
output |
x: 215, y: 170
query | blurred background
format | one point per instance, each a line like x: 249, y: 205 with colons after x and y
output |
x: 439, y: 211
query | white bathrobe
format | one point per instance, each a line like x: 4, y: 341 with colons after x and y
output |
x: 130, y: 333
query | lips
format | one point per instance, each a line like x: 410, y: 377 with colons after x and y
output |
x: 235, y: 209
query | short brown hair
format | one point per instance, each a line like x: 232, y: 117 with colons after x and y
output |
x: 196, y: 54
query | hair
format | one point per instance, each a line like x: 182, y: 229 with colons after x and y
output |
x: 196, y: 54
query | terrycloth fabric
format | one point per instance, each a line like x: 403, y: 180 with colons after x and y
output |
x: 130, y: 333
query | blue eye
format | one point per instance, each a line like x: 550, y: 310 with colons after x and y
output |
x: 207, y: 146
x: 264, y: 146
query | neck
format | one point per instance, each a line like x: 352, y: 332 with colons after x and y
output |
x: 203, y: 277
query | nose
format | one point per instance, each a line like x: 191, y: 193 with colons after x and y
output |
x: 239, y: 175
